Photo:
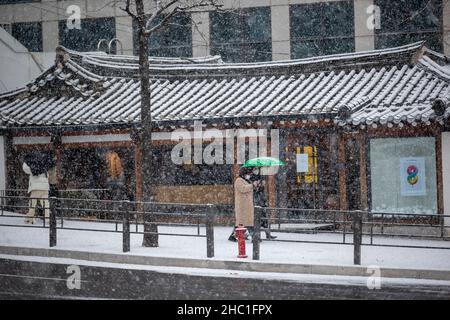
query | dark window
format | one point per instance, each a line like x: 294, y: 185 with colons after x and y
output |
x: 6, y: 26
x: 242, y: 36
x: 406, y: 21
x: 29, y: 34
x: 174, y: 39
x: 88, y: 37
x: 169, y: 173
x: 322, y: 28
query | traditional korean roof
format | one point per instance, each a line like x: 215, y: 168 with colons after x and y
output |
x: 408, y: 84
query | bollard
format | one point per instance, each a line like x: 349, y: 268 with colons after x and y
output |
x: 357, y: 237
x: 209, y: 234
x: 240, y: 234
x: 52, y: 222
x: 126, y: 226
x: 257, y: 233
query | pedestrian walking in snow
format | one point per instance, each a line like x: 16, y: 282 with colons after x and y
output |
x: 260, y: 200
x: 243, y: 201
x: 38, y: 185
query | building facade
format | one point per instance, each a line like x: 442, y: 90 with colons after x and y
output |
x: 373, y: 126
x: 258, y: 30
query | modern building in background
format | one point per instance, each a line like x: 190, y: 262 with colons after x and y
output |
x: 258, y: 30
x: 18, y: 66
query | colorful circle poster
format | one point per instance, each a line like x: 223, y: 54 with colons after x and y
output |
x: 412, y: 176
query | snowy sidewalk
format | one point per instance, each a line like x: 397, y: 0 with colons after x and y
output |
x: 178, y: 249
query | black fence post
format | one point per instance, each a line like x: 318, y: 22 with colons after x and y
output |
x: 52, y: 226
x: 357, y: 237
x: 210, y: 233
x: 125, y: 209
x: 257, y: 232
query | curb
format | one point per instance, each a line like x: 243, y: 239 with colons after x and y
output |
x: 255, y: 266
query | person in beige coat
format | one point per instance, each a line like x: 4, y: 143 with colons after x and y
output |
x: 38, y: 187
x: 243, y: 201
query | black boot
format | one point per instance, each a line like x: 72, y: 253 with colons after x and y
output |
x: 232, y: 236
x: 269, y: 236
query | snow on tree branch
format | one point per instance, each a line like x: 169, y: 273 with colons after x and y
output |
x: 162, y: 11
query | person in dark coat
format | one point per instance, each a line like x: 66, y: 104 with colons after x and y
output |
x: 260, y: 200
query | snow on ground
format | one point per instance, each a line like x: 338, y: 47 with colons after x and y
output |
x: 195, y: 247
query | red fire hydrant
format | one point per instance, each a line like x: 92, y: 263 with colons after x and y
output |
x: 240, y: 235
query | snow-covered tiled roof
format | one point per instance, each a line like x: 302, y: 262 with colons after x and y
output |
x: 391, y: 86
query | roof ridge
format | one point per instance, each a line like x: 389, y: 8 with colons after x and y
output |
x: 431, y: 65
x: 126, y: 66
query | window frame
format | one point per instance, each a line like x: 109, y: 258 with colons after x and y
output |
x: 241, y: 45
x: 398, y: 33
x: 153, y: 51
x: 62, y: 30
x: 40, y: 42
x: 297, y: 40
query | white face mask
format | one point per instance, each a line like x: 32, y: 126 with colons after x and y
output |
x: 247, y: 177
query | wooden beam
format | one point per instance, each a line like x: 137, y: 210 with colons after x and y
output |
x: 58, y: 167
x: 138, y: 171
x: 271, y: 190
x: 271, y: 183
x: 342, y: 174
x: 362, y: 143
x: 439, y: 173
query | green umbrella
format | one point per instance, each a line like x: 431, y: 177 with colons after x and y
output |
x: 263, y: 162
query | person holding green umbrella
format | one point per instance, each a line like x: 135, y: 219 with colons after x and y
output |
x: 244, y: 186
x: 260, y: 199
x: 243, y: 201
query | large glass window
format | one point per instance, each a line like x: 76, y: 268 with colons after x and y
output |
x: 29, y: 34
x: 403, y: 175
x: 242, y: 36
x: 322, y: 28
x: 88, y: 36
x: 174, y: 39
x: 407, y: 21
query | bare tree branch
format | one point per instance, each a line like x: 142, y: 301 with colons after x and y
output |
x: 128, y: 10
x: 173, y: 10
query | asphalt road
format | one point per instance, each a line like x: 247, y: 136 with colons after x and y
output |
x: 36, y: 280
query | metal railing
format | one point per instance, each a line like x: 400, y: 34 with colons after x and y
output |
x: 356, y: 228
x: 365, y: 228
x: 120, y: 213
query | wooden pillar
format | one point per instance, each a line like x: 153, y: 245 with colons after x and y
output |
x: 58, y: 167
x: 138, y: 171
x: 271, y: 183
x: 57, y: 146
x: 342, y: 173
x: 439, y: 173
x: 362, y: 143
x: 271, y: 190
x: 135, y: 135
x: 10, y: 165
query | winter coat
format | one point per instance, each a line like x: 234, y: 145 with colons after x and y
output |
x: 52, y: 179
x: 243, y: 202
x: 261, y: 201
x: 39, y: 182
